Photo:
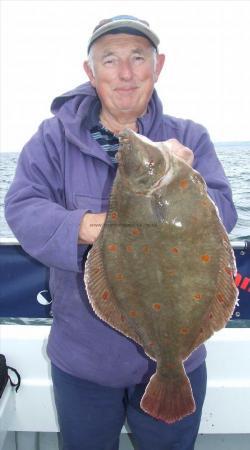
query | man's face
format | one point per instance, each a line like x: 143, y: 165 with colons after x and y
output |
x: 124, y: 69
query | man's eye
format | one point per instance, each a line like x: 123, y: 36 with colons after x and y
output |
x: 109, y: 61
x: 138, y: 58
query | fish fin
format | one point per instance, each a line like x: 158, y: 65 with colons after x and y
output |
x: 96, y: 285
x: 224, y: 301
x: 168, y: 399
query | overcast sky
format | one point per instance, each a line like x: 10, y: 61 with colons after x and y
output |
x: 206, y: 76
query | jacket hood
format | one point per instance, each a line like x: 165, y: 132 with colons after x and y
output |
x: 79, y: 109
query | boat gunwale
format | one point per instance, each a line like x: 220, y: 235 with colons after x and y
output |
x: 236, y: 245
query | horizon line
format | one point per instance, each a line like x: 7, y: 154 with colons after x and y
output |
x: 214, y: 142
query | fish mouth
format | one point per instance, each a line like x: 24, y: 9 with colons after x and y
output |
x: 125, y: 150
x: 125, y: 143
x: 126, y: 135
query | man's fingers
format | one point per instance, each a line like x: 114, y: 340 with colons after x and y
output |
x: 90, y: 227
x: 180, y: 150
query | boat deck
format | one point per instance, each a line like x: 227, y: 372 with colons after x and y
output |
x: 226, y: 412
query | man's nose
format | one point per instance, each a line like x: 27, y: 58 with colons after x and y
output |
x: 125, y: 70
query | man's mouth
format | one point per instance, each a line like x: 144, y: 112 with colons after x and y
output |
x: 125, y: 89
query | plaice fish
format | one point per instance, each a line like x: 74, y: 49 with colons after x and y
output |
x: 162, y: 269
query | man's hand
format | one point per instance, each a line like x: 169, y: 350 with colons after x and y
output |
x: 180, y: 150
x: 90, y: 227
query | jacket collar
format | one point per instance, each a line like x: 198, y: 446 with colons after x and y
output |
x: 78, y: 110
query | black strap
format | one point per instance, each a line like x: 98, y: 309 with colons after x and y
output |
x: 17, y: 384
x: 4, y: 375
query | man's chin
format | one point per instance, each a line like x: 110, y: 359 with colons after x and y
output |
x: 130, y: 108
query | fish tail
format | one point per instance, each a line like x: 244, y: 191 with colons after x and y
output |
x: 168, y: 399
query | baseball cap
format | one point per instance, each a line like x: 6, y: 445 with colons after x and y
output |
x: 124, y: 24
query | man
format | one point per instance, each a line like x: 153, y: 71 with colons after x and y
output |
x: 56, y: 207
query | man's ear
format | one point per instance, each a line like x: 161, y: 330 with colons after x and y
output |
x: 160, y: 60
x: 89, y: 72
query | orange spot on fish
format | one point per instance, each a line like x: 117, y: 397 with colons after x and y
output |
x: 119, y: 276
x: 210, y: 316
x: 228, y: 270
x: 184, y: 330
x: 122, y: 318
x: 146, y: 249
x: 112, y: 247
x: 197, y: 297
x: 136, y: 231
x: 97, y: 269
x: 114, y: 215
x: 205, y: 203
x: 205, y: 258
x: 156, y: 306
x: 201, y: 330
x: 174, y: 250
x: 106, y: 295
x: 133, y: 313
x: 151, y: 344
x: 183, y: 184
x: 220, y: 297
x: 171, y: 273
x: 129, y: 248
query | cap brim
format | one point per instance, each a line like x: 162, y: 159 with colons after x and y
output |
x: 127, y: 24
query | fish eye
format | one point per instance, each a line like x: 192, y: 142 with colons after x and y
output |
x: 155, y: 166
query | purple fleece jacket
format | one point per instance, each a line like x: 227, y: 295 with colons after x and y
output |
x: 62, y: 173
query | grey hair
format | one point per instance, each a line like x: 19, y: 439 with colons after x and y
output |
x: 91, y: 60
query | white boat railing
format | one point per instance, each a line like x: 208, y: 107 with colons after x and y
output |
x: 237, y: 245
x: 9, y: 241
